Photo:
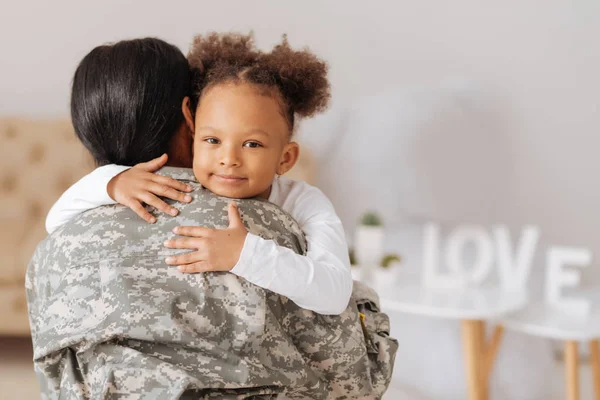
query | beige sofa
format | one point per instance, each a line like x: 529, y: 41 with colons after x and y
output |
x: 39, y: 159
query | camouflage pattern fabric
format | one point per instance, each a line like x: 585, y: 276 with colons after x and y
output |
x: 110, y: 320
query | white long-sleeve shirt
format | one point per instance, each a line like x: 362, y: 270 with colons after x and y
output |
x: 320, y: 281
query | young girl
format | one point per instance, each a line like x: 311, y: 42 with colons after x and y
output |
x: 246, y: 103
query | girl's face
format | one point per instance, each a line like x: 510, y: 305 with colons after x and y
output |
x: 241, y: 140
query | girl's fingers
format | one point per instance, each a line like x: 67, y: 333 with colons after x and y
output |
x: 184, y: 243
x: 167, y: 191
x: 170, y: 182
x: 193, y: 231
x: 139, y: 209
x: 153, y: 165
x: 184, y: 259
x: 201, y: 266
x: 159, y: 204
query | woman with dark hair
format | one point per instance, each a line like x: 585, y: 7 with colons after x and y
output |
x: 245, y: 113
x: 126, y: 103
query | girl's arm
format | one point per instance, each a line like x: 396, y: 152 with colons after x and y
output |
x: 321, y: 281
x: 87, y: 193
x: 111, y: 184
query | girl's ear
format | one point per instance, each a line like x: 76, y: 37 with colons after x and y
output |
x: 187, y: 114
x: 289, y: 157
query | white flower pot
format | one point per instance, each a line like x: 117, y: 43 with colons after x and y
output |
x: 368, y: 249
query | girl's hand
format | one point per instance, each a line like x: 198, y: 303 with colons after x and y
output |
x: 216, y: 249
x: 139, y: 185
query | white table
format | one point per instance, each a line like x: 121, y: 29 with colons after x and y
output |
x: 472, y: 306
x: 540, y: 319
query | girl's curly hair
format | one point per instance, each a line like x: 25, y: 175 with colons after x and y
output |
x: 298, y: 76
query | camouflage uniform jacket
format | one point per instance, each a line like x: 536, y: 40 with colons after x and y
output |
x: 110, y: 319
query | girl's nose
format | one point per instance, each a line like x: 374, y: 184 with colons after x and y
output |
x: 230, y: 158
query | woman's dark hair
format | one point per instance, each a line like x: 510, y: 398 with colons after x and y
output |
x: 126, y: 100
x: 298, y: 78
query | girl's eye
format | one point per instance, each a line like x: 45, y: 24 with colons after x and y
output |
x: 252, y: 145
x: 211, y: 140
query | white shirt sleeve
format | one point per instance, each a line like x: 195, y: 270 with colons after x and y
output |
x: 87, y: 193
x: 321, y: 281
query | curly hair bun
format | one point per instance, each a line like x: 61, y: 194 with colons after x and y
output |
x: 301, y: 76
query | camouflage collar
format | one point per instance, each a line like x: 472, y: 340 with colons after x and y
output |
x: 182, y: 174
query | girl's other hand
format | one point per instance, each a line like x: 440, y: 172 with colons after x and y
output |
x: 214, y: 249
x: 139, y: 185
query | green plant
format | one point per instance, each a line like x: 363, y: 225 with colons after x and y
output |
x: 370, y: 219
x: 389, y: 259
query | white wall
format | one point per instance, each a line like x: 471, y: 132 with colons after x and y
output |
x: 537, y: 60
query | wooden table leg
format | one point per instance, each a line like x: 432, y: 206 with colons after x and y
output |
x: 482, y: 345
x: 491, y: 351
x: 595, y: 354
x: 572, y: 369
x: 472, y: 333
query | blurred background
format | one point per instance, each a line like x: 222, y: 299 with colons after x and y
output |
x: 454, y: 112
